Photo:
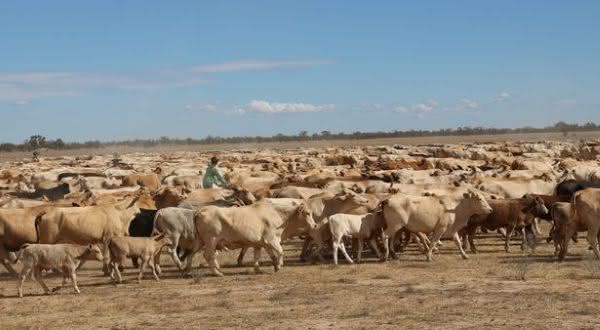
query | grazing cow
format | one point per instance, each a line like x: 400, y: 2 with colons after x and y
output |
x: 423, y: 214
x: 260, y: 225
x: 17, y: 228
x: 361, y: 227
x: 510, y: 214
x: 584, y: 215
x: 64, y: 257
x: 119, y: 248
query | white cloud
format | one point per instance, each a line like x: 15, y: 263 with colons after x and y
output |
x: 501, y: 97
x: 402, y: 109
x: 276, y: 107
x: 423, y: 107
x: 567, y: 101
x: 420, y: 108
x: 469, y: 104
x: 26, y: 86
x: 254, y: 65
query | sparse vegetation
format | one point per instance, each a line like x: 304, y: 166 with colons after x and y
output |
x: 38, y: 141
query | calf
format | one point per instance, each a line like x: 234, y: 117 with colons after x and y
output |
x: 361, y: 227
x: 509, y: 213
x: 117, y: 249
x: 141, y: 226
x: 63, y: 257
x: 561, y: 214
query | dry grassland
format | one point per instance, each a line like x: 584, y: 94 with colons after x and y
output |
x: 492, y: 289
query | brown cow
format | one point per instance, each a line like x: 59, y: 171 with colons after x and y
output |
x: 584, y: 214
x: 507, y: 213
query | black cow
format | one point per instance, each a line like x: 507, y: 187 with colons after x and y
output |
x: 141, y: 226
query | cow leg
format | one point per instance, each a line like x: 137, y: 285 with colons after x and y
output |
x: 303, y: 255
x: 22, y: 277
x: 346, y: 255
x: 335, y: 247
x: 9, y: 267
x: 240, y: 259
x: 274, y: 244
x: 172, y: 251
x: 37, y: 274
x: 5, y: 258
x: 502, y: 232
x: 592, y: 238
x: 142, y: 269
x: 153, y: 268
x: 536, y: 226
x: 65, y: 274
x: 507, y: 237
x: 523, y: 239
x: 257, y: 253
x: 74, y: 281
x: 134, y: 262
x: 388, y: 233
x: 359, y: 249
x: 471, y: 236
x: 435, y: 237
x: 211, y: 258
x: 460, y: 246
x: 373, y: 245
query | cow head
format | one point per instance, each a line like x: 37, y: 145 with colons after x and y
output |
x: 535, y: 206
x: 300, y: 222
x: 167, y: 197
x: 351, y: 198
x: 243, y: 195
x: 93, y: 252
x: 476, y: 203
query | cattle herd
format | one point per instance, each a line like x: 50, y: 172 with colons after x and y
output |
x: 58, y: 212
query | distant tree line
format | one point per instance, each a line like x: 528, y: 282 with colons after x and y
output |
x: 36, y: 142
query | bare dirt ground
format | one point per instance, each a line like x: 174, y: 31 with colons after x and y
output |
x: 492, y: 289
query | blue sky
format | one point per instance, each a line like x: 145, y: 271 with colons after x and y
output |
x: 114, y: 70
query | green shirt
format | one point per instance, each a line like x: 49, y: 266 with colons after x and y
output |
x: 212, y: 177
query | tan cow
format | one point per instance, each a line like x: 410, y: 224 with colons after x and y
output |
x: 117, y: 249
x: 150, y: 181
x: 260, y: 225
x: 64, y: 257
x: 17, y: 228
x: 86, y: 225
x: 429, y: 215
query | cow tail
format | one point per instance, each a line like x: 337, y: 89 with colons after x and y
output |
x: 36, y: 223
x: 156, y: 231
x: 574, y: 215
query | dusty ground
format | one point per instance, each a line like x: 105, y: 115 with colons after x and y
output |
x: 491, y: 289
